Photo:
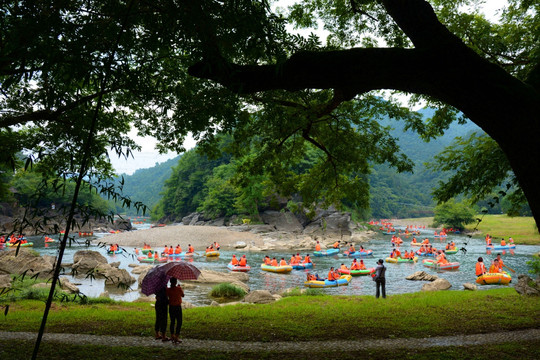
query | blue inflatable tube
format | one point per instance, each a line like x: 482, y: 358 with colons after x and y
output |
x: 501, y: 247
x: 302, y: 266
x: 343, y: 280
x: 357, y: 254
x: 329, y: 252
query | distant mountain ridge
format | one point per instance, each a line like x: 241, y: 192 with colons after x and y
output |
x: 406, y: 194
x: 145, y: 185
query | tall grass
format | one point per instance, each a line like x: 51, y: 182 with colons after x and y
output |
x: 23, y: 288
x: 228, y: 291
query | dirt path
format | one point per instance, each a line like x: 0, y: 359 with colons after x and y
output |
x: 285, y: 346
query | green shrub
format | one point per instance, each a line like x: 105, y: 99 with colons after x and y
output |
x: 227, y: 290
x: 303, y: 292
x: 535, y: 266
x: 32, y: 294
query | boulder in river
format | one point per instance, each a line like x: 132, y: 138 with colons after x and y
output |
x: 114, y: 276
x: 470, y: 286
x: 439, y: 284
x: 84, y: 260
x: 66, y: 285
x: 26, y: 260
x: 422, y: 276
x: 215, y: 277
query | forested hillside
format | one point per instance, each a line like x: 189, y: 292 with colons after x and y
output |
x: 197, y: 183
x: 145, y: 185
x: 409, y: 194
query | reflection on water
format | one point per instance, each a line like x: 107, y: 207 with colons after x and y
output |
x: 362, y: 285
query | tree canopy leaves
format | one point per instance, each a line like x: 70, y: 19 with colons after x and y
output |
x: 209, y: 67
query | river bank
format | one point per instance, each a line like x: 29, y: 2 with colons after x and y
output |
x: 247, y: 237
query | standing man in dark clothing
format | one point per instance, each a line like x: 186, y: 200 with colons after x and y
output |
x: 379, y: 279
x: 162, y: 304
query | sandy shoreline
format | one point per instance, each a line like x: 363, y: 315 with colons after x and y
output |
x: 198, y: 236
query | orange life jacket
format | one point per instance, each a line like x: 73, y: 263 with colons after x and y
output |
x: 480, y: 268
x: 318, y: 247
x: 273, y: 262
x: 282, y: 263
x: 331, y: 275
x: 234, y: 260
x: 243, y: 261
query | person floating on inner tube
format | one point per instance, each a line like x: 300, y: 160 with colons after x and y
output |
x: 242, y: 261
x: 480, y: 267
x: 494, y: 268
x: 331, y: 275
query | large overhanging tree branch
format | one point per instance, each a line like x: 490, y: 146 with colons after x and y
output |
x: 440, y: 66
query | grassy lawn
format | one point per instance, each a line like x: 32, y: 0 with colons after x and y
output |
x: 522, y: 229
x: 299, y: 318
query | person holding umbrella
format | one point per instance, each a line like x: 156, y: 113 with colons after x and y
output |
x: 175, y: 295
x: 162, y: 305
x: 157, y: 279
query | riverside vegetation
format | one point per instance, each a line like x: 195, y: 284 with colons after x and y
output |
x: 521, y: 228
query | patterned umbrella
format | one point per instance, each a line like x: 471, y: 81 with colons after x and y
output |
x: 157, y: 278
x: 183, y: 271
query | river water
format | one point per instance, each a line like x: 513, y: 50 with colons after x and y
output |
x: 258, y: 279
